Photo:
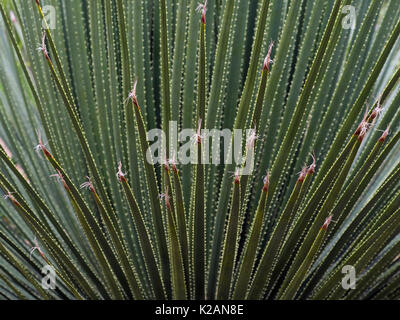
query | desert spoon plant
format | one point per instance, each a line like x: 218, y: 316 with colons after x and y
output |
x: 89, y: 214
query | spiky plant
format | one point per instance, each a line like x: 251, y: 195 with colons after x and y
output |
x: 315, y: 84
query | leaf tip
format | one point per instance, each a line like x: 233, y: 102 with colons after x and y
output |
x: 384, y: 135
x: 237, y: 176
x: 202, y: 7
x: 166, y: 198
x: 266, y: 182
x: 311, y: 168
x: 88, y: 185
x: 327, y: 222
x: 120, y: 174
x: 268, y: 60
x: 302, y: 174
x: 13, y: 18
